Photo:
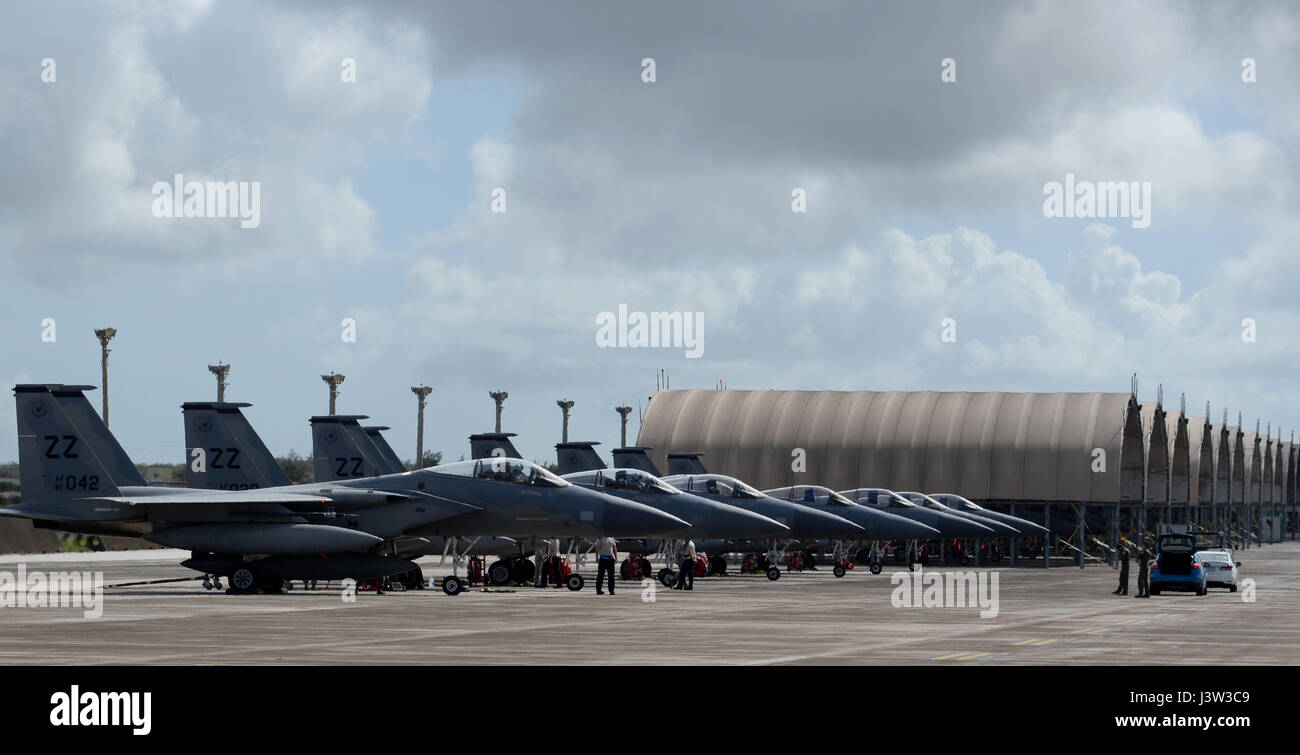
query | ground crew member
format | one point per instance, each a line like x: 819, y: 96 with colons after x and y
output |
x: 1123, y: 572
x: 686, y: 577
x: 1144, y: 573
x: 540, y: 562
x: 554, y: 561
x: 606, y: 554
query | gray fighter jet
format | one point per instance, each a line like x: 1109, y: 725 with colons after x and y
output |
x: 956, y: 502
x: 235, y: 458
x: 999, y: 528
x: 948, y: 524
x: 76, y: 477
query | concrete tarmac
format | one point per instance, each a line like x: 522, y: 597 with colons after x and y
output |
x: 1058, y: 616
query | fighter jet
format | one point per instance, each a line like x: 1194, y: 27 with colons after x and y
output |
x: 76, y: 477
x: 956, y: 502
x: 998, y: 527
x: 234, y: 457
x: 807, y: 524
x: 716, y: 526
x: 948, y: 524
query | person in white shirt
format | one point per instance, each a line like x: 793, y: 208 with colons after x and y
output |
x: 686, y: 577
x: 606, y: 557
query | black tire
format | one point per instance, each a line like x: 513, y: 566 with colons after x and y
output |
x: 965, y: 559
x: 876, y: 568
x: 574, y: 582
x: 499, y: 573
x: 646, y: 570
x: 1154, y: 591
x: 625, y: 570
x: 761, y: 562
x: 864, y: 556
x: 809, y: 560
x: 838, y: 570
x: 901, y: 554
x: 666, y: 577
x: 452, y: 585
x: 1232, y: 588
x: 773, y: 573
x: 717, y: 566
x: 413, y: 579
x: 995, y: 556
x: 243, y: 580
x: 525, y: 572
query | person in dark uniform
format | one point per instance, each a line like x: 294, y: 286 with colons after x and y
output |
x: 1144, y: 573
x: 686, y: 577
x: 606, y: 557
x: 1123, y: 572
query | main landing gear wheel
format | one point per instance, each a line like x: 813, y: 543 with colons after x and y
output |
x: 666, y: 577
x: 625, y: 570
x: 838, y: 570
x: 452, y: 585
x: 243, y: 580
x: 773, y: 573
x: 574, y: 582
x: 875, y: 567
x: 499, y: 573
x: 645, y: 567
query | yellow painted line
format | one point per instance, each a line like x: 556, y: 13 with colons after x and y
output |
x: 951, y: 655
x: 1081, y: 631
x: 1044, y: 642
x: 1029, y: 641
x: 1101, y: 630
x: 971, y: 656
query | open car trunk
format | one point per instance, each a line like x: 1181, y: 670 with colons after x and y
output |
x: 1175, y: 563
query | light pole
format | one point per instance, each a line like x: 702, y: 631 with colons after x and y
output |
x: 499, y: 397
x: 422, y: 393
x: 105, y: 335
x: 623, y: 411
x: 565, y: 405
x: 334, y: 380
x: 221, y: 371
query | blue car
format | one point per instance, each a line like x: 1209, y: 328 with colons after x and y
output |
x: 1177, y: 566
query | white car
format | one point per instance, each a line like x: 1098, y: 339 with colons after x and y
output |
x: 1220, y: 569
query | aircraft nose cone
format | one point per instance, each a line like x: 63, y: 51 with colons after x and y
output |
x: 998, y: 527
x: 625, y: 518
x: 955, y: 526
x: 734, y: 522
x: 810, y: 521
x: 910, y: 530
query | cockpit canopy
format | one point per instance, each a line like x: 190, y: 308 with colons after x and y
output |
x: 713, y: 484
x: 503, y: 469
x: 622, y: 479
x: 810, y: 494
x: 954, y: 501
x: 878, y: 497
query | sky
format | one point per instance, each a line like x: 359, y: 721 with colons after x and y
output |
x: 920, y: 137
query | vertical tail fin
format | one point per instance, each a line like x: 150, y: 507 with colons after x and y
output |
x: 487, y: 445
x: 391, y: 462
x: 635, y: 457
x: 578, y: 456
x: 64, y: 449
x: 341, y: 450
x: 223, y: 451
x: 686, y: 463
